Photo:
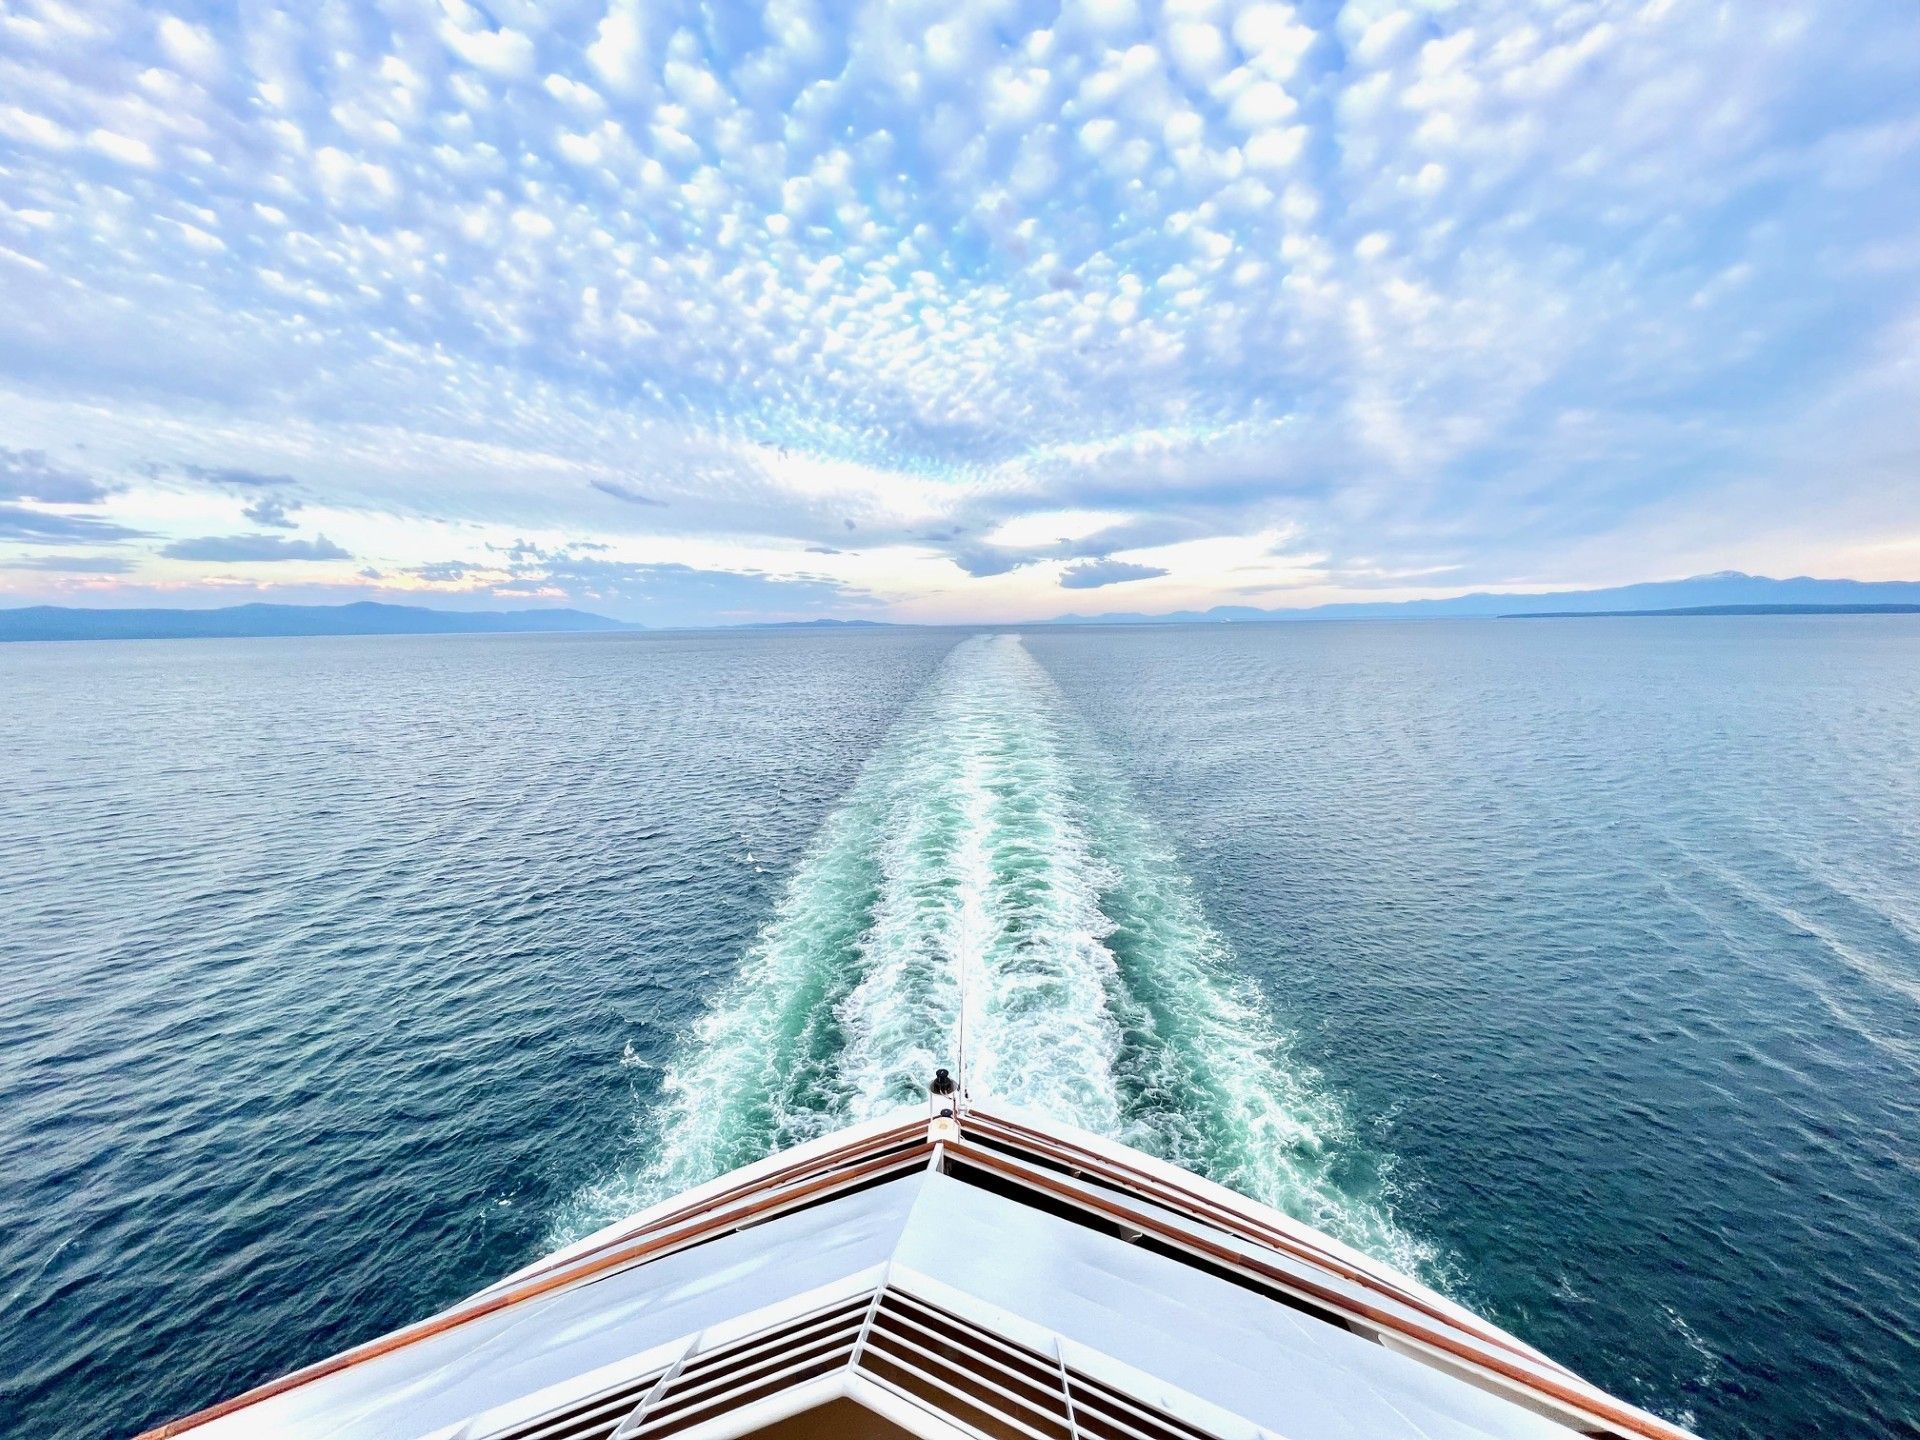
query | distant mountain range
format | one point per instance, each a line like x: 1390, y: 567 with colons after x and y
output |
x: 1728, y: 592
x: 1719, y: 610
x: 363, y: 617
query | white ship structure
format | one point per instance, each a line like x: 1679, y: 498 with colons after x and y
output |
x: 961, y: 1271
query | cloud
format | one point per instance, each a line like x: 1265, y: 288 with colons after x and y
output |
x: 45, y: 527
x: 657, y: 593
x: 625, y: 492
x: 127, y: 149
x: 239, y: 548
x: 618, y: 50
x: 685, y: 594
x: 72, y: 564
x: 272, y: 510
x: 349, y: 183
x: 980, y: 561
x: 503, y: 52
x: 35, y: 129
x: 233, y: 477
x: 439, y: 571
x: 1091, y: 574
x: 1446, y: 290
x: 28, y: 475
x: 191, y: 47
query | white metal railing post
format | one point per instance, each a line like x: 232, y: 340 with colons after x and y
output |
x: 637, y: 1416
x: 866, y: 1325
x: 1066, y: 1389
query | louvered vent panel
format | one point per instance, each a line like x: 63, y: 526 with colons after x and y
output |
x: 595, y: 1418
x: 1103, y: 1413
x: 742, y: 1371
x: 922, y: 1352
x: 1002, y: 1390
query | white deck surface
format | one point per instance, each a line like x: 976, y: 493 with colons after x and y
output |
x: 1122, y: 1313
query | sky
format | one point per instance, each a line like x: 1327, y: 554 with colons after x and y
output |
x: 951, y: 312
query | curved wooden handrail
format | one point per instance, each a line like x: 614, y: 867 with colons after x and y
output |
x: 813, y: 1165
x: 1572, y: 1392
x: 581, y: 1268
x: 1248, y: 1227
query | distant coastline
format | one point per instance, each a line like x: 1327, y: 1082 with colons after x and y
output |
x: 236, y: 622
x: 1729, y: 593
x: 1684, y: 610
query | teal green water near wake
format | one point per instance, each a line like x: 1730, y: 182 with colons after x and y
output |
x: 988, y: 836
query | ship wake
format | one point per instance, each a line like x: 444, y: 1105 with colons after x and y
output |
x: 989, y: 839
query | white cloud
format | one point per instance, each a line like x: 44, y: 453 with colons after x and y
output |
x: 1261, y: 106
x: 1098, y: 135
x: 618, y: 52
x: 1274, y: 39
x: 191, y: 47
x: 1105, y: 17
x: 32, y: 129
x: 1198, y: 49
x: 127, y: 149
x: 1275, y: 151
x: 504, y: 52
x: 1381, y: 39
x: 199, y: 239
x: 348, y: 181
x: 581, y: 149
x: 573, y: 93
x: 532, y: 224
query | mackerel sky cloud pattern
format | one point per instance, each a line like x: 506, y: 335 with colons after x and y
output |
x: 755, y: 311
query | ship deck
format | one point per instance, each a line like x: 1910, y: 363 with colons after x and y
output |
x: 992, y: 1275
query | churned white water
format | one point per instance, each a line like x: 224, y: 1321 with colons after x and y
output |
x: 989, y: 850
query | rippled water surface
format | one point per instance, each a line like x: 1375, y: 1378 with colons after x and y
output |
x: 1574, y: 965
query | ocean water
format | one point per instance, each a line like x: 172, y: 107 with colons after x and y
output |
x: 1573, y: 965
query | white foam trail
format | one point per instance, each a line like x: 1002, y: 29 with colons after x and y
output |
x: 988, y: 834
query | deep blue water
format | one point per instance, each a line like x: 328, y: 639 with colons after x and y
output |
x: 1574, y: 964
